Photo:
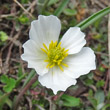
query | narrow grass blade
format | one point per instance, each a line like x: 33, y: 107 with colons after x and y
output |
x: 31, y: 74
x: 90, y: 20
x: 20, y: 79
x: 59, y: 10
x: 3, y: 99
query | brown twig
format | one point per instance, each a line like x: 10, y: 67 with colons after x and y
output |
x: 30, y: 103
x: 9, y: 54
x: 24, y: 9
x: 15, y: 104
x: 50, y: 103
x: 6, y: 64
x: 101, y: 5
x: 32, y: 5
x: 10, y: 48
x: 7, y: 15
x: 105, y: 2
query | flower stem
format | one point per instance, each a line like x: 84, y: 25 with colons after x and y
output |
x: 15, y: 104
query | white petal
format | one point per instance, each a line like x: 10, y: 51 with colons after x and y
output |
x: 73, y: 40
x: 35, y: 57
x: 45, y: 29
x: 80, y: 63
x: 56, y: 80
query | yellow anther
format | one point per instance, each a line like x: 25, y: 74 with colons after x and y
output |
x: 46, y: 60
x: 66, y: 50
x: 44, y: 50
x: 45, y: 46
x: 63, y: 49
x: 55, y: 55
x: 63, y: 57
x: 47, y: 65
x: 51, y: 45
x: 48, y: 53
x: 59, y: 62
x: 59, y: 45
x: 66, y: 55
x: 61, y: 67
x: 52, y: 66
x: 55, y: 43
x: 54, y: 61
x: 64, y: 64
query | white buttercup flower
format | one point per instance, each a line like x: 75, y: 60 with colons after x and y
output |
x: 58, y: 63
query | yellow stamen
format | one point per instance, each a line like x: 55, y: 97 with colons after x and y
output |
x: 66, y: 50
x: 54, y: 61
x: 58, y: 62
x: 52, y: 66
x: 55, y: 43
x: 51, y: 45
x: 45, y: 46
x: 55, y: 55
x: 66, y: 55
x: 44, y: 50
x: 47, y: 65
x: 60, y: 67
x: 64, y: 64
x: 59, y: 45
x: 46, y: 60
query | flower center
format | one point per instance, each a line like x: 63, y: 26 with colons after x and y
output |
x: 55, y: 55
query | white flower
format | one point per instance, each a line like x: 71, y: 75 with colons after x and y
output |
x: 58, y: 63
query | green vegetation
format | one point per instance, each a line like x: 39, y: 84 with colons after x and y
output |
x: 92, y: 91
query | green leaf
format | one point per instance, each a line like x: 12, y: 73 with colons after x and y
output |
x: 4, y: 79
x: 70, y: 12
x: 88, y: 82
x: 88, y: 108
x: 20, y: 79
x: 100, y: 97
x: 96, y: 36
x: 93, y: 101
x: 100, y: 83
x: 23, y: 19
x: 3, y: 36
x: 51, y: 2
x: 9, y: 102
x: 31, y: 74
x: 106, y: 107
x: 90, y: 20
x: 35, y: 84
x: 3, y: 99
x: 90, y: 93
x: 20, y: 72
x: 24, y: 1
x: 40, y: 4
x: 97, y: 23
x: 59, y: 10
x: 102, y: 69
x: 90, y: 75
x: 9, y: 83
x: 70, y: 101
x: 108, y: 96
